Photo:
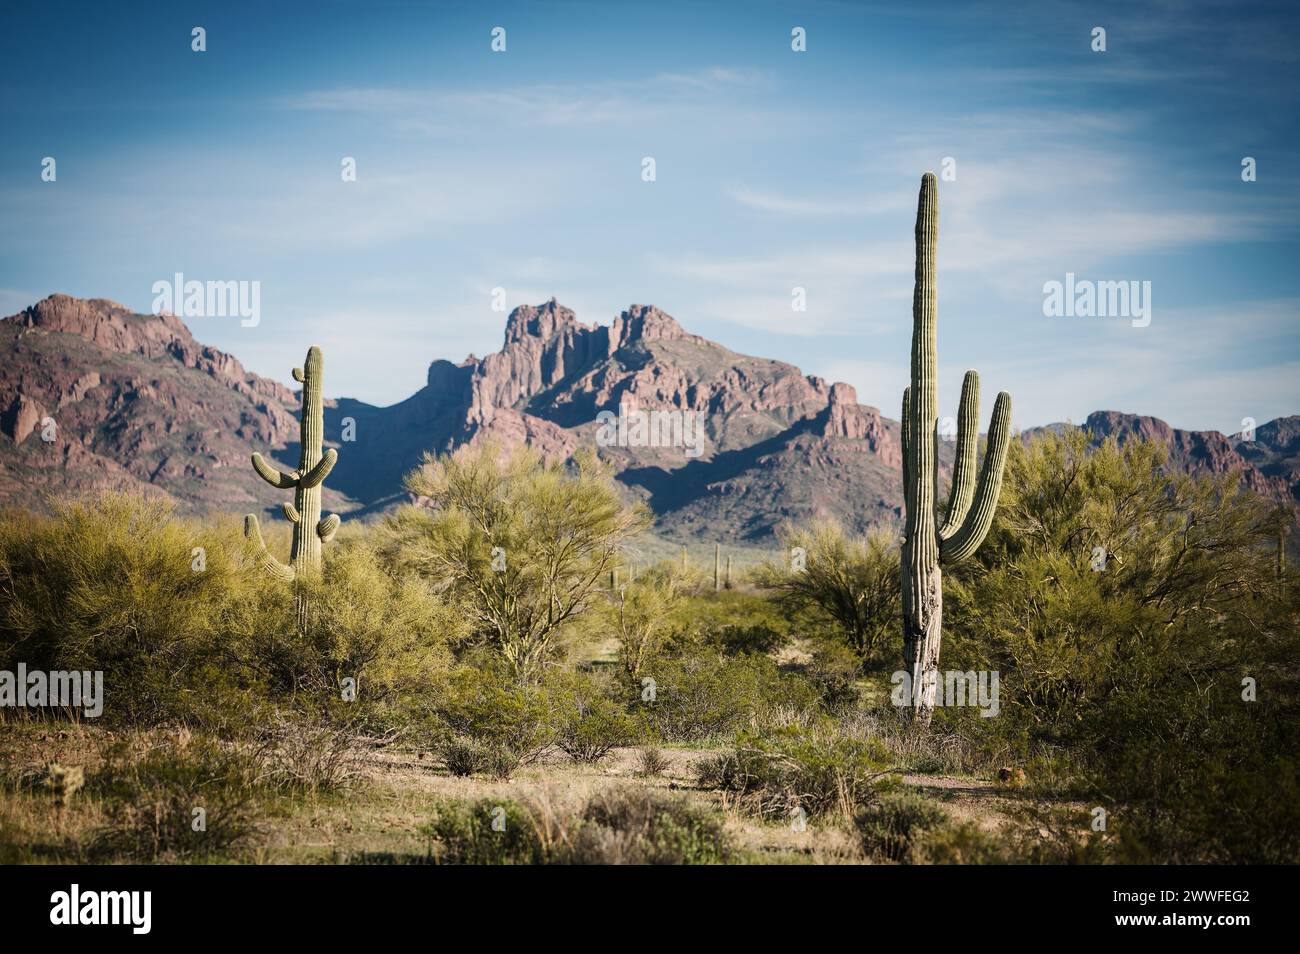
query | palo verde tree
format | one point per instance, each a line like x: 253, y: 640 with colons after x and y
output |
x: 636, y: 613
x: 852, y: 581
x: 520, y: 543
x: 931, y: 539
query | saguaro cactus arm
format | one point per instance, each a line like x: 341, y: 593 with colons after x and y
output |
x: 967, y: 538
x: 290, y: 512
x: 328, y: 527
x: 963, y: 471
x: 253, y: 532
x: 275, y: 478
x: 318, y: 473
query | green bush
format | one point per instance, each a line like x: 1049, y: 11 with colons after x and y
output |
x: 706, y: 696
x: 588, y: 723
x: 187, y: 627
x: 113, y: 585
x: 519, y: 542
x: 179, y: 799
x: 383, y: 629
x: 891, y: 826
x: 629, y: 826
x: 636, y: 826
x: 817, y: 769
x: 850, y: 582
x: 488, y: 722
x: 728, y: 622
x: 1128, y: 674
x: 463, y: 833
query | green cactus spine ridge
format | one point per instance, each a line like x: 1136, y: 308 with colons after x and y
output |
x: 310, y: 530
x: 972, y: 500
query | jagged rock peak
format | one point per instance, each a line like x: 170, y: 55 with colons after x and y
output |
x: 645, y: 323
x: 107, y: 324
x: 541, y: 321
x: 1106, y: 423
x: 116, y: 328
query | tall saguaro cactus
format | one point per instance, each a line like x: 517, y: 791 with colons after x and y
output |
x: 928, y: 543
x: 309, y: 529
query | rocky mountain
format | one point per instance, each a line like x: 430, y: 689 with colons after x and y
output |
x: 776, y: 443
x: 1268, y: 461
x: 92, y: 395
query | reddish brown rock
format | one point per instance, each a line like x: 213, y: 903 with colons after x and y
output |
x: 140, y: 404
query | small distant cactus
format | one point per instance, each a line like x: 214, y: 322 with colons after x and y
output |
x: 309, y: 529
x: 64, y: 781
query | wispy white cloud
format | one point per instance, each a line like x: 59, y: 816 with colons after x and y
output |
x: 537, y: 104
x: 846, y: 205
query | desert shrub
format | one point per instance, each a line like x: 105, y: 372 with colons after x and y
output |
x: 620, y: 827
x: 891, y: 826
x: 635, y: 826
x: 588, y: 722
x: 833, y: 674
x: 964, y: 843
x: 488, y: 722
x: 114, y: 584
x: 636, y: 614
x: 298, y: 756
x: 463, y: 757
x: 385, y: 630
x: 736, y: 640
x: 729, y: 622
x: 152, y: 790
x: 708, y: 696
x: 852, y: 583
x: 942, y: 748
x: 1222, y: 789
x: 186, y: 627
x: 651, y: 761
x: 488, y: 832
x: 1131, y: 671
x: 819, y: 770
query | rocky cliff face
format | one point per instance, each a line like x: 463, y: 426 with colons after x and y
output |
x: 138, y: 403
x: 1199, y: 452
x: 92, y: 395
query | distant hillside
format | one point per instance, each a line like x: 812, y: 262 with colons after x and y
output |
x: 138, y: 403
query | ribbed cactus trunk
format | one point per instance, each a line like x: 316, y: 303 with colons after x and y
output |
x: 717, y: 567
x: 922, y: 580
x: 971, y: 504
x: 314, y: 465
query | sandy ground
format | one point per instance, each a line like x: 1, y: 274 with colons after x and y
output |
x: 381, y: 820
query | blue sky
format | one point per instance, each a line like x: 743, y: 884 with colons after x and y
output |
x: 775, y: 169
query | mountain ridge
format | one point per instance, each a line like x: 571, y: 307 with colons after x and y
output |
x: 138, y: 403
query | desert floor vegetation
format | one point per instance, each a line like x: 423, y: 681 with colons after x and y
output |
x: 480, y: 679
